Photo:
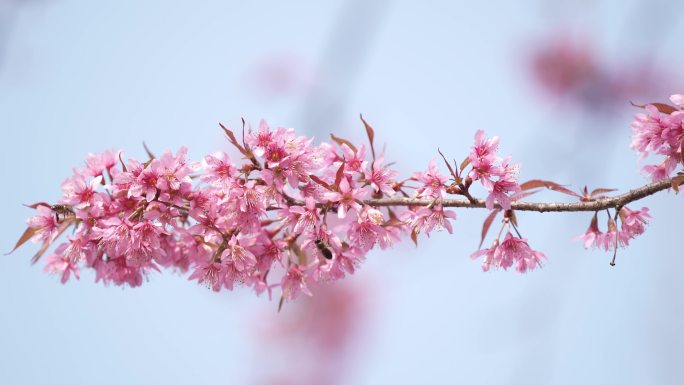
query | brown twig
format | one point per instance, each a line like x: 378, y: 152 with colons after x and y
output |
x: 596, y: 205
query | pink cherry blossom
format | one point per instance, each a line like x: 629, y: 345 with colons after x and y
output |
x: 45, y: 224
x: 238, y: 256
x: 354, y: 162
x: 483, y: 158
x: 61, y: 263
x: 78, y: 191
x: 219, y: 169
x: 347, y: 197
x: 433, y: 182
x: 592, y: 235
x: 210, y: 274
x: 294, y: 283
x: 381, y: 178
x: 426, y: 219
x: 632, y: 222
x: 511, y: 251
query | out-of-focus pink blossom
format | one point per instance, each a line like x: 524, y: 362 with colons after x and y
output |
x: 570, y: 69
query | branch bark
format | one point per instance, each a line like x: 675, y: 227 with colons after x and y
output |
x: 596, y: 205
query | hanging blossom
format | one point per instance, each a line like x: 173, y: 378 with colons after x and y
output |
x: 284, y: 213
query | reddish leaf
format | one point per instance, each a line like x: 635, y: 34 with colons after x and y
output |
x: 662, y: 107
x: 233, y: 140
x: 123, y: 165
x: 62, y: 227
x: 28, y: 233
x: 371, y: 135
x: 149, y: 153
x: 535, y: 183
x: 538, y: 183
x: 487, y: 224
x: 524, y: 194
x: 339, y: 176
x: 465, y: 163
x: 513, y: 219
x: 321, y: 182
x: 451, y: 170
x: 243, y: 134
x: 601, y: 191
x: 341, y: 141
x: 414, y: 236
x: 35, y: 205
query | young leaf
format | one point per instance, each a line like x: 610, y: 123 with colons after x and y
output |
x: 451, y: 170
x: 601, y: 191
x: 62, y: 227
x: 371, y: 135
x: 537, y: 183
x: 486, y: 225
x: 28, y: 233
x: 465, y: 163
x: 523, y: 194
x: 321, y: 182
x: 233, y: 140
x: 35, y: 205
x: 662, y: 107
x: 414, y: 236
x: 123, y: 165
x: 341, y: 141
x: 339, y: 176
x: 149, y: 153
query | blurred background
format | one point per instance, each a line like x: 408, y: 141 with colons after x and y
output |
x: 553, y: 78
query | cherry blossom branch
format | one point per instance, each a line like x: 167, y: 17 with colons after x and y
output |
x: 289, y: 213
x: 595, y: 205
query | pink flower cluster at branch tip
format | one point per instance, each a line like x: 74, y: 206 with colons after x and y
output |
x: 289, y: 213
x: 660, y: 131
x: 511, y: 251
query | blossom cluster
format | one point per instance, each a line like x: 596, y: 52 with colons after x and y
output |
x: 287, y: 214
x: 284, y: 213
x: 660, y: 131
x: 631, y: 225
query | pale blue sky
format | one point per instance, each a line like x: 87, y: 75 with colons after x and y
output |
x: 83, y: 76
